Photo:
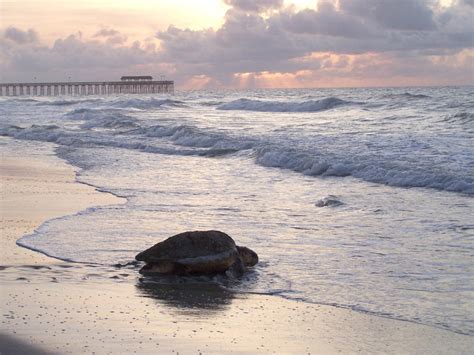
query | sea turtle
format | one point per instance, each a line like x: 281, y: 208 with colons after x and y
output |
x: 197, y: 253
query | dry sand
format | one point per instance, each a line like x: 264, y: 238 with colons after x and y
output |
x: 49, y: 306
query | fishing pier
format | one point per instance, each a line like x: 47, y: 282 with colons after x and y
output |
x: 126, y: 85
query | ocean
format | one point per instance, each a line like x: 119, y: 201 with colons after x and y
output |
x: 357, y: 198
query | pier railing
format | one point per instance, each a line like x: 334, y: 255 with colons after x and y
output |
x: 87, y: 88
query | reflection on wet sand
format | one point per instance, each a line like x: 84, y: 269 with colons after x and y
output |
x: 189, y: 297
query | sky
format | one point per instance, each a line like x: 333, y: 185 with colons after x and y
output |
x: 240, y: 43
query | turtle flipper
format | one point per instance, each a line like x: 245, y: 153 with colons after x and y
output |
x: 157, y: 268
x: 237, y: 269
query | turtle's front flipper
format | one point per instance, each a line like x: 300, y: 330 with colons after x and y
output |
x: 237, y: 269
x: 158, y: 268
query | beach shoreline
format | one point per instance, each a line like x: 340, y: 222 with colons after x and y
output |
x: 74, y: 308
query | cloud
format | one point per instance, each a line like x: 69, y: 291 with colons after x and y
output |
x: 19, y: 36
x: 73, y: 56
x: 219, y: 54
x: 326, y: 20
x: 406, y: 15
x: 106, y: 32
x: 111, y: 36
x: 255, y: 5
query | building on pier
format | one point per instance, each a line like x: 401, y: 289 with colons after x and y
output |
x: 137, y: 78
x: 126, y: 85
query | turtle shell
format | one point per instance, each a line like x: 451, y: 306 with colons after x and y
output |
x: 191, y: 252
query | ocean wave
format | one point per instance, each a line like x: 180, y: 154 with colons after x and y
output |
x: 189, y: 140
x: 103, y: 118
x: 384, y: 172
x: 211, y: 103
x: 92, y: 113
x: 183, y: 135
x: 144, y: 104
x: 407, y: 95
x: 199, y: 144
x: 415, y: 96
x: 462, y: 118
x: 190, y: 136
x: 21, y: 99
x: 46, y: 133
x: 112, y: 122
x: 64, y: 102
x: 279, y: 106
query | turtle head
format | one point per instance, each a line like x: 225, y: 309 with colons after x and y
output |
x: 249, y: 257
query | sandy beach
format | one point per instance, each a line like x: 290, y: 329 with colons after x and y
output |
x: 51, y: 306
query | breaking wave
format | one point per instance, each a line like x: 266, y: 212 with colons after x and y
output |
x: 92, y: 113
x: 19, y: 99
x: 189, y: 136
x: 382, y: 172
x: 189, y: 140
x: 116, y: 121
x: 196, y: 142
x: 64, y: 102
x: 103, y: 118
x: 144, y: 104
x: 278, y: 106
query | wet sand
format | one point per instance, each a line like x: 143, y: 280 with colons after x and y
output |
x: 52, y: 306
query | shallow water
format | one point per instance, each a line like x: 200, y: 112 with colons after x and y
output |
x: 257, y: 164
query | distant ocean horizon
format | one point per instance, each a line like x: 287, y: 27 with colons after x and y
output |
x: 360, y: 198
